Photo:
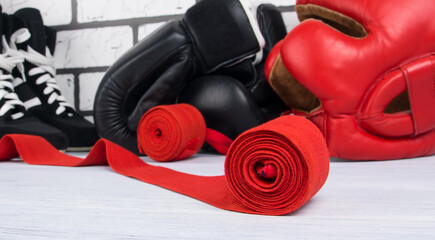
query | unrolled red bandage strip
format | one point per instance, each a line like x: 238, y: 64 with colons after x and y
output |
x: 292, y: 145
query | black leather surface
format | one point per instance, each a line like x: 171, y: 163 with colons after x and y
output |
x: 252, y: 77
x: 221, y: 32
x: 271, y: 26
x: 227, y: 106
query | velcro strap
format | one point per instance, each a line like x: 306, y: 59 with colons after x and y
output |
x: 420, y: 79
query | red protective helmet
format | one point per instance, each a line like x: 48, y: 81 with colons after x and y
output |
x: 364, y: 72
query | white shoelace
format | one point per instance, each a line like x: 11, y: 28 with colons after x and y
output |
x: 45, y: 66
x: 8, y: 60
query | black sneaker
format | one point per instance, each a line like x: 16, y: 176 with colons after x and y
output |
x: 14, y: 119
x: 39, y: 87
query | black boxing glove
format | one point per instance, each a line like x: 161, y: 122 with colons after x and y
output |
x: 236, y: 98
x: 212, y: 34
x: 225, y: 103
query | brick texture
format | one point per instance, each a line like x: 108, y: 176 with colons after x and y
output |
x: 66, y: 84
x: 106, y: 10
x: 92, y: 47
x: 54, y: 12
x: 88, y: 87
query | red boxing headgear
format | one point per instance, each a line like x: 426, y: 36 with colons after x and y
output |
x: 364, y: 72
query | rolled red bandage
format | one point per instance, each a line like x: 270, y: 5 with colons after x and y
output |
x: 174, y: 132
x: 277, y: 167
x: 290, y: 150
x: 171, y: 132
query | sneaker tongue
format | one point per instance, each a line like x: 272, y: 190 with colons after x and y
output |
x: 10, y: 24
x: 33, y: 20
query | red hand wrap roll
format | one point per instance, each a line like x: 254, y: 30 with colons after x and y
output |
x: 291, y: 149
x: 171, y: 132
x: 295, y: 160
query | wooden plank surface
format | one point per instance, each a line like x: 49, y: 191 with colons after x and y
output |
x: 360, y: 200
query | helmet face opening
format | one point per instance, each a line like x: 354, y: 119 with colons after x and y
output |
x: 399, y: 104
x: 336, y: 20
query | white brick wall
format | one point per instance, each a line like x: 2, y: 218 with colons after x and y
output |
x: 105, y: 10
x: 290, y: 20
x: 92, y: 34
x: 277, y: 3
x: 92, y: 47
x: 66, y: 84
x: 88, y: 87
x: 54, y: 12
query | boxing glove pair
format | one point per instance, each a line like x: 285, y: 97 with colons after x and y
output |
x: 217, y: 39
x: 363, y: 72
x: 237, y: 98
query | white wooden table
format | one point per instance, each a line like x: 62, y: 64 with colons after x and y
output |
x: 360, y: 200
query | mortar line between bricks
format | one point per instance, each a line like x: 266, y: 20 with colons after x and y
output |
x: 74, y: 11
x: 76, y: 91
x: 74, y: 25
x: 81, y: 70
x: 115, y: 23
